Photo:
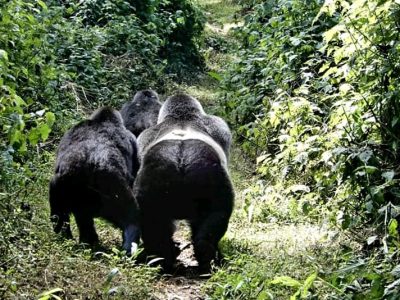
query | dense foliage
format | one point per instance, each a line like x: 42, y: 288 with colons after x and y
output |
x: 58, y: 61
x: 58, y: 57
x: 314, y: 97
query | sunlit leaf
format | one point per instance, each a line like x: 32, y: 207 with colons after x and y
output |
x: 392, y: 227
x: 286, y: 281
x: 308, y: 284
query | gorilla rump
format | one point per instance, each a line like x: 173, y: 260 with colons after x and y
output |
x: 141, y: 112
x: 184, y: 175
x: 94, y: 171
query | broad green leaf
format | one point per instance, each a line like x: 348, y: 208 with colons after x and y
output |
x: 180, y: 20
x: 49, y: 294
x: 42, y: 4
x: 324, y: 67
x: 295, y: 41
x: 44, y: 130
x: 345, y: 88
x: 392, y: 227
x: 331, y: 33
x: 16, y: 136
x: 264, y: 295
x: 34, y: 136
x: 308, y: 284
x: 215, y: 75
x: 50, y: 119
x: 18, y: 101
x: 286, y: 281
x: 3, y: 55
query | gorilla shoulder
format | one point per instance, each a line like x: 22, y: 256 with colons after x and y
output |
x: 219, y: 130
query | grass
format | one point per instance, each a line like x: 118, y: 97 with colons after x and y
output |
x: 260, y: 254
x: 34, y: 260
x: 37, y: 260
x: 220, y: 12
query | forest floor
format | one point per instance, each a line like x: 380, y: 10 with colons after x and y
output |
x: 41, y: 266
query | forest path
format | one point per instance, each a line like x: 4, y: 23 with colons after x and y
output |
x: 220, y: 15
x: 254, y: 248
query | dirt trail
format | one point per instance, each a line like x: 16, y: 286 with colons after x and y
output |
x: 187, y: 283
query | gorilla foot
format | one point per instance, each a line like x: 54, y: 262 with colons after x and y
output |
x: 205, y: 252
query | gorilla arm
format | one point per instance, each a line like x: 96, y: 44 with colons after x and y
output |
x: 218, y: 129
x: 145, y: 139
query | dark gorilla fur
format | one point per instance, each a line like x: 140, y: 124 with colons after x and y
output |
x: 183, y: 175
x: 94, y: 171
x: 141, y: 112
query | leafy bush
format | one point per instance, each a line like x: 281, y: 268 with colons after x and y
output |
x: 59, y: 60
x: 315, y: 107
x: 29, y: 80
x: 158, y: 35
x: 314, y: 99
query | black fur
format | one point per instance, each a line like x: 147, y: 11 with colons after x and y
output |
x: 184, y: 179
x: 94, y: 171
x: 141, y: 112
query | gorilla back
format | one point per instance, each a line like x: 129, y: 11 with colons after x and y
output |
x: 141, y: 112
x: 95, y: 168
x: 184, y: 175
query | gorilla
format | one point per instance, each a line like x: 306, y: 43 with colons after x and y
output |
x: 94, y: 171
x: 141, y: 112
x: 184, y: 175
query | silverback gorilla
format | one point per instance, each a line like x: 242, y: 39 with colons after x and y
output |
x: 184, y: 175
x: 141, y: 112
x: 94, y: 171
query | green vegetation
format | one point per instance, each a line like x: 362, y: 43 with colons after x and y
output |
x: 311, y: 91
x: 313, y: 97
x: 58, y: 61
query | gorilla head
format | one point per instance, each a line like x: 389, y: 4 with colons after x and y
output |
x: 184, y: 175
x: 141, y: 112
x: 95, y: 168
x: 180, y: 107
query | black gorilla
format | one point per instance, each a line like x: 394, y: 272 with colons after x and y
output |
x: 184, y: 175
x: 141, y: 112
x: 94, y: 171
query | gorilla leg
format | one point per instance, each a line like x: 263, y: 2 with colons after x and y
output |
x: 87, y: 232
x: 206, y: 234
x: 120, y: 207
x: 157, y: 239
x: 59, y: 215
x: 129, y: 221
x: 130, y: 238
x: 130, y: 226
x: 210, y: 226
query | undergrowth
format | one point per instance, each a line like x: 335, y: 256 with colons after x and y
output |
x: 37, y: 264
x: 310, y: 89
